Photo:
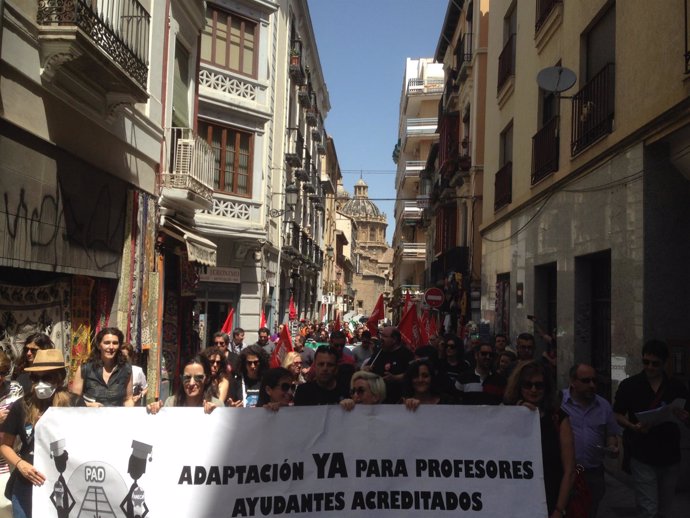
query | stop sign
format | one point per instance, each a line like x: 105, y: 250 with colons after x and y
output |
x: 433, y: 297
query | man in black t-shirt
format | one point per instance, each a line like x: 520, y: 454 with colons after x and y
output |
x: 324, y: 389
x: 654, y: 450
x: 391, y: 362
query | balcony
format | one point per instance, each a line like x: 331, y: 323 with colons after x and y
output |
x: 291, y: 244
x: 421, y: 86
x: 296, y: 70
x: 411, y: 213
x: 295, y: 147
x: 102, y: 43
x: 312, y: 116
x: 463, y: 56
x: 413, y: 251
x: 545, y: 145
x: 506, y: 62
x: 189, y: 182
x: 413, y: 168
x: 503, y: 186
x: 593, y: 110
x: 304, y: 95
x: 421, y: 126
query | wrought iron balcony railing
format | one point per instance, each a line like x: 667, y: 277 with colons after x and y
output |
x: 503, y: 186
x: 593, y: 110
x: 295, y: 147
x: 545, y: 150
x: 419, y: 85
x: 506, y: 62
x: 463, y: 55
x: 119, y: 28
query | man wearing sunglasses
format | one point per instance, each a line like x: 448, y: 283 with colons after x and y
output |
x: 595, y: 430
x: 481, y: 386
x: 654, y: 449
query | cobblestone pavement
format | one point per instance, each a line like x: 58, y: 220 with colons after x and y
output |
x: 619, y: 500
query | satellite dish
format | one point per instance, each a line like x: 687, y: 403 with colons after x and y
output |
x: 556, y: 79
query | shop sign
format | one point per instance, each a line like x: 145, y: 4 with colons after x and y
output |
x: 221, y: 274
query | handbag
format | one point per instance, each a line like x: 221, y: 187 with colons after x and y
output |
x: 580, y: 496
x: 10, y: 484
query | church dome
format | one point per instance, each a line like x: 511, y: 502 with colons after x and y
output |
x: 361, y: 206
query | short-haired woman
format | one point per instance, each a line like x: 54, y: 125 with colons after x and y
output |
x: 366, y: 388
x: 277, y: 389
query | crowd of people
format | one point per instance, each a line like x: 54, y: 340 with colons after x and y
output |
x: 323, y: 366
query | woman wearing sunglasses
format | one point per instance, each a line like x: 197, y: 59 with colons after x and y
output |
x: 530, y: 385
x: 33, y: 343
x: 277, y: 389
x: 366, y: 388
x: 48, y: 389
x: 195, y: 388
x: 219, y: 375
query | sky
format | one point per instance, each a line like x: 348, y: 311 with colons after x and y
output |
x: 362, y: 47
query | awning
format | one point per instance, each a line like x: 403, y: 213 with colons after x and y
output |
x: 199, y: 249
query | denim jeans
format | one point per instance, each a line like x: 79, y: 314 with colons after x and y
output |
x: 655, y: 488
x: 21, y: 500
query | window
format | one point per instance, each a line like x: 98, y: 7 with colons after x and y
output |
x: 232, y: 157
x: 230, y: 41
x: 181, y: 83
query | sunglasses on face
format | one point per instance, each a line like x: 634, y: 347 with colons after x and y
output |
x: 212, y: 362
x: 451, y: 345
x: 653, y: 363
x: 536, y: 385
x: 252, y: 362
x: 287, y: 387
x: 219, y: 344
x: 360, y: 391
x: 198, y: 378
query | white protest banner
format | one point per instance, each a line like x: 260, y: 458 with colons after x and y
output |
x: 320, y: 461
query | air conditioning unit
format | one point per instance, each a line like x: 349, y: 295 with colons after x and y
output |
x: 184, y: 155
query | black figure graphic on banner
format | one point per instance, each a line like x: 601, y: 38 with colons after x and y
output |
x: 61, y: 496
x: 134, y: 505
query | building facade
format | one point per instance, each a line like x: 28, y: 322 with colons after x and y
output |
x: 422, y: 90
x: 585, y: 187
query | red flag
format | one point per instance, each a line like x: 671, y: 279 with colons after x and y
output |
x: 376, y: 315
x: 292, y: 310
x: 284, y: 344
x: 408, y: 302
x: 262, y: 320
x: 227, y: 326
x: 410, y: 329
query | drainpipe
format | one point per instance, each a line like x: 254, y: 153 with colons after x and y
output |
x: 2, y: 16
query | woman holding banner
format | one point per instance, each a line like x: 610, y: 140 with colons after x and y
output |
x: 530, y: 385
x: 196, y: 389
x: 366, y: 388
x: 277, y: 389
x: 421, y: 386
x: 47, y: 389
x: 219, y: 374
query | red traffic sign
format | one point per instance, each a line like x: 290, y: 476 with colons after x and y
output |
x: 433, y: 297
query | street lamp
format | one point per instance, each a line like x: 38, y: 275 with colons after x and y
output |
x: 329, y: 252
x: 291, y: 193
